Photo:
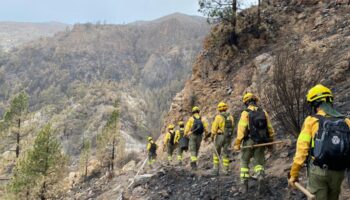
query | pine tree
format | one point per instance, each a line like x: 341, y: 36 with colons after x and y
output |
x: 85, y: 158
x: 110, y: 143
x: 14, y: 116
x: 220, y: 10
x: 41, y: 169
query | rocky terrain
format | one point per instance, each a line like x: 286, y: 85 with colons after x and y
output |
x: 14, y: 34
x: 318, y: 31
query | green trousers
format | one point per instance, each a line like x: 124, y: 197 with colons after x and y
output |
x: 324, y: 184
x: 222, y: 145
x: 258, y: 154
x: 179, y: 153
x: 151, y: 158
x: 170, y: 151
x: 194, y: 144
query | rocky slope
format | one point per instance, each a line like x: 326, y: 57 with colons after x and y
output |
x: 318, y: 31
x: 14, y: 34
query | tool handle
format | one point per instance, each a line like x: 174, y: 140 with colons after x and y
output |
x: 305, y: 191
x: 263, y: 144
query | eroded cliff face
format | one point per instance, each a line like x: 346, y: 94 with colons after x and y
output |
x: 319, y: 33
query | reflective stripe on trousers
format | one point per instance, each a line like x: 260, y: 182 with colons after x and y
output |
x: 244, y: 173
x: 194, y: 159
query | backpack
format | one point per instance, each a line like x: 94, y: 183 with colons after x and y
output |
x: 228, y: 128
x: 153, y: 149
x: 182, y: 132
x: 198, y: 127
x: 258, y: 126
x: 172, y: 138
x: 332, y: 144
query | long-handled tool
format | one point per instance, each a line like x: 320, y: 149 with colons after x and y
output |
x: 305, y: 191
x: 263, y: 144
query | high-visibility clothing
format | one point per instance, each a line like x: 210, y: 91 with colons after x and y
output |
x: 190, y: 122
x: 179, y: 134
x: 306, y: 141
x: 218, y: 125
x: 168, y: 137
x: 243, y: 125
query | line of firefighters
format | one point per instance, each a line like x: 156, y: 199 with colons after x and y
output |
x: 324, y: 142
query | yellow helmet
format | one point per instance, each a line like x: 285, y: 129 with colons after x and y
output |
x: 195, y: 109
x: 222, y: 106
x: 149, y: 138
x: 181, y: 123
x: 249, y: 96
x: 320, y: 93
x: 171, y: 126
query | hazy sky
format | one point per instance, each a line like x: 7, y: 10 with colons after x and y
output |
x: 113, y: 11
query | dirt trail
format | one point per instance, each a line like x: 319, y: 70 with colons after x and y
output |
x: 181, y: 183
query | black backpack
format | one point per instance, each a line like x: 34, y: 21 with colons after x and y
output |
x: 153, y: 149
x: 228, y: 128
x: 198, y: 127
x: 258, y: 126
x: 332, y: 143
x: 172, y: 138
x: 182, y: 132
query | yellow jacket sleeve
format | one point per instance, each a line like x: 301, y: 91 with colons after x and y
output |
x: 270, y: 127
x: 167, y: 138
x: 347, y: 121
x: 148, y: 146
x: 177, y: 136
x: 206, y: 126
x: 188, y: 126
x: 217, y: 125
x: 242, y: 128
x: 308, y: 131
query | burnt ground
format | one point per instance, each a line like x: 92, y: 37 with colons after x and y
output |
x: 180, y: 183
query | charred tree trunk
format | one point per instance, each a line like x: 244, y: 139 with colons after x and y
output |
x: 18, y: 137
x: 113, y: 154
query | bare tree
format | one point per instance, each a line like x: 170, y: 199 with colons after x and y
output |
x: 290, y: 82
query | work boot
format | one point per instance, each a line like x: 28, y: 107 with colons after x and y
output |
x: 215, y: 171
x: 193, y: 165
x: 244, y: 187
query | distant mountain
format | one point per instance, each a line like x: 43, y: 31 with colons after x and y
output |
x: 74, y: 77
x: 13, y: 34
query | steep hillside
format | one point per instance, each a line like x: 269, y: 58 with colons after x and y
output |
x: 318, y: 33
x: 74, y: 77
x: 14, y: 34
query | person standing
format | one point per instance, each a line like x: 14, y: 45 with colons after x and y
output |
x: 169, y: 142
x: 194, y: 130
x: 222, y: 134
x: 152, y: 151
x: 325, y: 142
x: 254, y: 127
x: 179, y: 135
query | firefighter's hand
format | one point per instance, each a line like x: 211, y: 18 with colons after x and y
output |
x: 292, y: 181
x: 163, y: 148
x: 236, y: 147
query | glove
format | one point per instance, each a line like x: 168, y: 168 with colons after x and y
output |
x: 292, y: 180
x: 236, y: 147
